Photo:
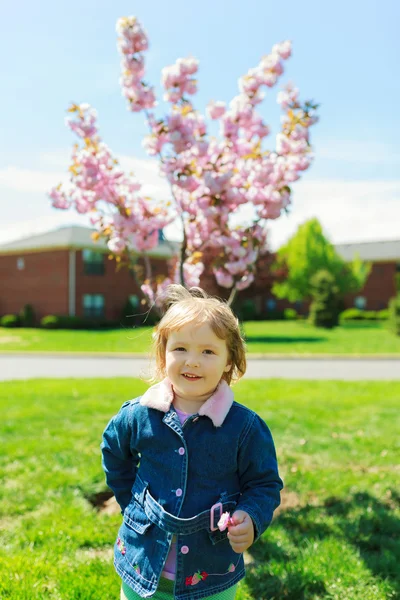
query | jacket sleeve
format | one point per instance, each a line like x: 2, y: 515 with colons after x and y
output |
x: 119, y: 457
x: 260, y: 483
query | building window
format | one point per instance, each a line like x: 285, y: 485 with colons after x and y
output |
x: 20, y: 264
x: 93, y: 305
x: 93, y: 262
x: 360, y: 302
x: 134, y: 301
x: 270, y: 304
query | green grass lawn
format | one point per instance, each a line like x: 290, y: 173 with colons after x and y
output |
x: 336, y: 537
x: 266, y: 337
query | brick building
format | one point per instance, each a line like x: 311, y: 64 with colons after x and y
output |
x: 380, y: 286
x: 63, y: 272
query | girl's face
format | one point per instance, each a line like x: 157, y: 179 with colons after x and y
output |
x: 195, y: 360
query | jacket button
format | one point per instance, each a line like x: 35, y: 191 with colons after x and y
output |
x: 184, y: 549
x: 181, y: 451
x: 178, y: 492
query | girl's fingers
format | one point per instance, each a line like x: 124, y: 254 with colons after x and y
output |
x: 239, y: 548
x: 239, y: 528
x: 240, y: 536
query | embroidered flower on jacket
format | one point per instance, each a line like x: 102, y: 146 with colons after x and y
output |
x: 194, y: 579
x: 137, y: 569
x: 231, y: 568
x: 121, y: 546
x: 225, y: 521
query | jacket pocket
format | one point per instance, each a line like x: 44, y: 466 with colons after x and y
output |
x: 217, y: 536
x: 135, y: 518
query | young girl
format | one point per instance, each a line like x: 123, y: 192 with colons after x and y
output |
x: 194, y: 472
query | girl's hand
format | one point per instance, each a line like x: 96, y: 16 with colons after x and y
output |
x: 241, y: 534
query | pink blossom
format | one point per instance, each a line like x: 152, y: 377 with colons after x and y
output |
x: 223, y: 278
x: 59, y: 198
x: 209, y: 178
x: 235, y: 267
x: 270, y: 79
x: 176, y: 79
x: 132, y: 38
x: 215, y: 110
x: 271, y: 62
x: 224, y: 521
x: 116, y: 245
x: 245, y: 281
x: 192, y: 273
x: 284, y: 49
x: 84, y: 201
x: 133, y: 66
x: 288, y: 96
x: 85, y: 126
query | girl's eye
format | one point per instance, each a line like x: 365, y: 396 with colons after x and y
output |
x: 208, y: 351
x: 180, y: 349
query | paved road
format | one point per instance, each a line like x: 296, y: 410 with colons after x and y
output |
x: 31, y: 366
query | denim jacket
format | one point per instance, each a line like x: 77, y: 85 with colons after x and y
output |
x: 176, y: 480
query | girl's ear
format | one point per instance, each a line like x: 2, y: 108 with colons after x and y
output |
x: 228, y: 368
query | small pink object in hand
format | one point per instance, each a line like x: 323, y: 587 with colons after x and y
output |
x: 225, y: 521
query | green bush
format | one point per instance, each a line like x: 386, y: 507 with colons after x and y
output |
x: 397, y: 282
x: 61, y: 322
x: 245, y: 310
x: 9, y: 321
x: 394, y: 315
x: 371, y: 315
x: 355, y: 314
x: 127, y: 314
x: 394, y: 309
x: 290, y: 314
x: 50, y: 322
x: 383, y: 315
x: 70, y: 322
x: 275, y: 315
x: 248, y: 310
x: 27, y: 316
x: 352, y: 314
x: 324, y: 309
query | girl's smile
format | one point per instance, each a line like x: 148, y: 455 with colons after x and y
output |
x: 191, y: 377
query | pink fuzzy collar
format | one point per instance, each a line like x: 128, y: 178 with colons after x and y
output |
x: 161, y: 395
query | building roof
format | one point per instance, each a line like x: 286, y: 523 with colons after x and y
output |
x: 75, y: 237
x: 378, y: 251
x: 79, y: 237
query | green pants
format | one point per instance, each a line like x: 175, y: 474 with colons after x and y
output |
x: 165, y: 591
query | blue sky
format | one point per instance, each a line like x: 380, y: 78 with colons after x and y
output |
x: 345, y: 56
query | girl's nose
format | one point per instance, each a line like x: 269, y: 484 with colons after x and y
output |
x: 192, y: 361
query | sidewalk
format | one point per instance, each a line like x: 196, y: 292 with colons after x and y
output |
x: 28, y: 366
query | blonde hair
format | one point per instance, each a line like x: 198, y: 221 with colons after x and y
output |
x: 195, y: 306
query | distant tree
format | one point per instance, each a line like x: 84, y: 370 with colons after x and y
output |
x: 308, y: 252
x: 324, y: 309
x: 27, y: 316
